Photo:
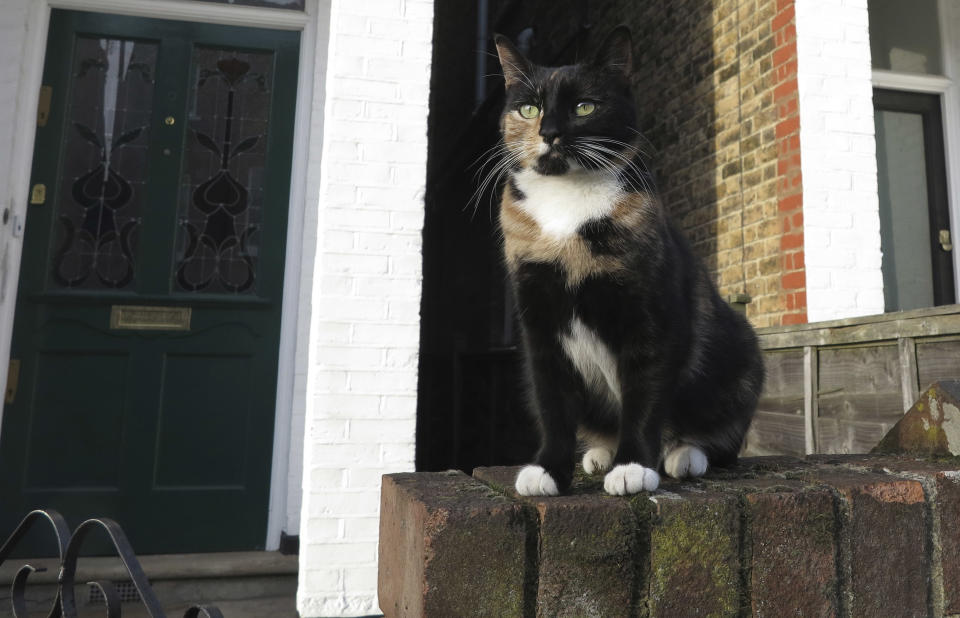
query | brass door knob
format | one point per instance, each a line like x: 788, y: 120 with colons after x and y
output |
x: 169, y: 121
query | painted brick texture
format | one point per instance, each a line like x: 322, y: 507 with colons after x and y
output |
x: 840, y: 535
x: 840, y: 202
x: 361, y: 379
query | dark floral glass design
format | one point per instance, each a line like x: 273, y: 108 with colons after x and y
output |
x: 100, y: 197
x: 296, y: 5
x: 221, y: 194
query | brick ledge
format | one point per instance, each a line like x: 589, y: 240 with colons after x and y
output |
x: 857, y: 535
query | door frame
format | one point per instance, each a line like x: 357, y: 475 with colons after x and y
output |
x: 312, y: 63
x: 948, y: 86
x: 929, y: 107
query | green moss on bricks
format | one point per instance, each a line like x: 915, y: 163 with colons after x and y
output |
x: 643, y: 512
x: 694, y: 549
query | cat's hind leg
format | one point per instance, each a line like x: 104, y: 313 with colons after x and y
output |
x: 685, y: 461
x: 600, y: 449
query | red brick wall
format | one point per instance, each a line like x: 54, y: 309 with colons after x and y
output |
x: 790, y: 183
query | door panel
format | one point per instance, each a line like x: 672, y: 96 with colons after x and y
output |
x: 219, y: 387
x: 167, y: 162
x: 917, y: 269
x: 76, y: 421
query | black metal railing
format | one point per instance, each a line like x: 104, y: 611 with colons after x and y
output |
x: 68, y: 547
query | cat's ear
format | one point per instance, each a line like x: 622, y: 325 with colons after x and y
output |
x: 515, y: 66
x: 616, y: 53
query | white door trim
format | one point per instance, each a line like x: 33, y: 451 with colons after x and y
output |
x: 280, y: 19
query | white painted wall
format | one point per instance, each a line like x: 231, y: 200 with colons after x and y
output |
x: 838, y: 159
x: 364, y: 301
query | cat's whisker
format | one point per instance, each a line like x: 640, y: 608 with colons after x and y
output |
x: 599, y: 151
x: 629, y: 164
x: 601, y: 163
x: 487, y: 154
x: 632, y: 149
x: 507, y: 160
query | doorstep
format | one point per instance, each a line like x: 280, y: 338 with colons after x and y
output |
x: 239, y: 583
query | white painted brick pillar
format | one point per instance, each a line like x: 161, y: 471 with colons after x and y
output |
x: 841, y: 221
x: 365, y: 302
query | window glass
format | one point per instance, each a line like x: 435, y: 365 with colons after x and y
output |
x: 905, y: 36
x: 904, y: 222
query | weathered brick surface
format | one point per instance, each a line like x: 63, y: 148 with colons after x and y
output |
x: 589, y: 549
x: 884, y: 536
x: 947, y: 510
x: 837, y: 535
x: 695, y: 555
x: 941, y: 482
x: 792, y: 552
x: 450, y: 546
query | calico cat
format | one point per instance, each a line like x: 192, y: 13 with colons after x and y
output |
x: 628, y: 346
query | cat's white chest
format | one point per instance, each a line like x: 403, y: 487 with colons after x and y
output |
x: 592, y: 359
x: 561, y: 204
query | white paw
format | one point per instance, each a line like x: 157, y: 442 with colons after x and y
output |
x: 597, y: 459
x: 535, y: 481
x: 684, y: 461
x: 629, y: 479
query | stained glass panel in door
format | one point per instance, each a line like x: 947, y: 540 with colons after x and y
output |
x: 221, y: 189
x: 104, y: 167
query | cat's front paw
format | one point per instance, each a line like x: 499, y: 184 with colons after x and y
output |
x: 627, y: 479
x: 685, y: 461
x: 597, y: 459
x: 535, y: 481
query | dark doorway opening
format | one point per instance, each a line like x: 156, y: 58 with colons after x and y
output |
x: 471, y: 410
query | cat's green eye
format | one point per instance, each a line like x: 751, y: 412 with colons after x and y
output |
x: 529, y: 111
x: 585, y: 108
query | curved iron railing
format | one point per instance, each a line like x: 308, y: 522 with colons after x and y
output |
x: 68, y: 548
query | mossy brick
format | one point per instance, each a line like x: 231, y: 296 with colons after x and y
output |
x: 500, y: 478
x: 589, y: 547
x: 792, y: 564
x: 450, y: 546
x: 695, y: 554
x: 592, y: 548
x: 885, y: 565
x: 759, y: 467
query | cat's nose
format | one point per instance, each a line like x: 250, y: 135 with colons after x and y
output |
x: 550, y: 132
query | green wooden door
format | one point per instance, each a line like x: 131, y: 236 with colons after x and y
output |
x: 148, y: 312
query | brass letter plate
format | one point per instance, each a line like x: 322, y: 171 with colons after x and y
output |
x: 139, y: 317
